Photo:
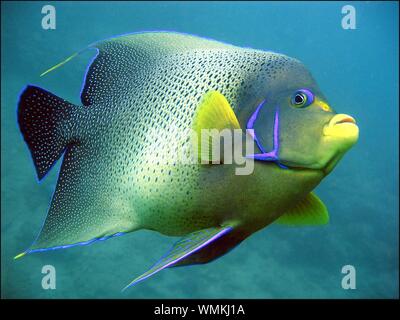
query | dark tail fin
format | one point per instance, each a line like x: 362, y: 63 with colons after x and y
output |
x: 43, y: 120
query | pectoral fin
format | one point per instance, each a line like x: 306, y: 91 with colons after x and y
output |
x: 213, y: 113
x: 184, y: 248
x: 309, y: 212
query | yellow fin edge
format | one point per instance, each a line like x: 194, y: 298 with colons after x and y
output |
x: 60, y: 64
x: 19, y: 255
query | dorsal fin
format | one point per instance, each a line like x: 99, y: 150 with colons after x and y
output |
x: 121, y: 60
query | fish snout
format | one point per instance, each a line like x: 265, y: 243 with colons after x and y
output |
x: 342, y: 127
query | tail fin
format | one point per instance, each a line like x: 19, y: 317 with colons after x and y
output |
x: 43, y: 121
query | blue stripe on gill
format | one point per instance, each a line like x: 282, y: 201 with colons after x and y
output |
x: 266, y: 156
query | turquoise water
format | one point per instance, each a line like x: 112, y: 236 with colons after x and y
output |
x: 356, y: 69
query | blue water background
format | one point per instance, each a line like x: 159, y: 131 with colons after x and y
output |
x: 356, y: 69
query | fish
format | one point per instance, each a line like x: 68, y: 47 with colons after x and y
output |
x: 147, y: 95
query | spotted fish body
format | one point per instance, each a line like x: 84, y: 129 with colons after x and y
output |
x: 119, y: 171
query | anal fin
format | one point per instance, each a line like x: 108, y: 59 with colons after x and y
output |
x: 182, y: 249
x: 214, y: 250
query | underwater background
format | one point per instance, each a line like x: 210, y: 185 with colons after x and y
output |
x: 357, y: 70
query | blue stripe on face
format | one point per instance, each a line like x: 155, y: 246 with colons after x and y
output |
x: 250, y: 125
x: 266, y: 156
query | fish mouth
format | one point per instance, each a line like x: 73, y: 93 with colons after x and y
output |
x: 343, y: 118
x: 342, y: 127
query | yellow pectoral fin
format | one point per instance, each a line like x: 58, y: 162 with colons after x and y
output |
x: 213, y: 113
x: 309, y: 212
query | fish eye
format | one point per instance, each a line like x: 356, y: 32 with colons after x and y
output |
x: 302, y: 98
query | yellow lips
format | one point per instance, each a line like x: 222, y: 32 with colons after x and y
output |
x: 342, y: 126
